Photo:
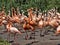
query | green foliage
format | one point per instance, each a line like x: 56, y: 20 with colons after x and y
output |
x: 3, y: 42
x: 25, y: 4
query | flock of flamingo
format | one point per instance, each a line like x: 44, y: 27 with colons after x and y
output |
x: 29, y: 22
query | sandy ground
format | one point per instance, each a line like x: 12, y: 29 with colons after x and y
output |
x: 46, y: 40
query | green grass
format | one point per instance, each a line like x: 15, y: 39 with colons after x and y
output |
x: 3, y: 42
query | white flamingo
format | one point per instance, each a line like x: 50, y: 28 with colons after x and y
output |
x: 13, y: 30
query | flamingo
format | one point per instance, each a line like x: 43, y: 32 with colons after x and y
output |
x: 12, y: 29
x: 3, y: 18
x: 15, y: 18
x: 28, y: 24
x: 33, y: 23
x: 41, y: 25
x: 26, y: 27
x: 53, y: 23
x: 57, y: 30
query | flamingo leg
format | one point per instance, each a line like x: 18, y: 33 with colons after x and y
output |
x: 43, y: 31
x: 5, y: 26
x: 34, y: 35
x: 14, y: 36
x: 31, y: 35
x: 8, y: 38
x: 46, y: 31
x: 40, y: 32
x: 26, y: 37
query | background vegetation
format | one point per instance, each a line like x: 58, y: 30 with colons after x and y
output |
x: 3, y: 42
x: 25, y: 4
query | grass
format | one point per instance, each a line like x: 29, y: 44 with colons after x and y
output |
x: 3, y: 42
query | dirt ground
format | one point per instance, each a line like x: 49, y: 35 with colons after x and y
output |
x: 46, y: 40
